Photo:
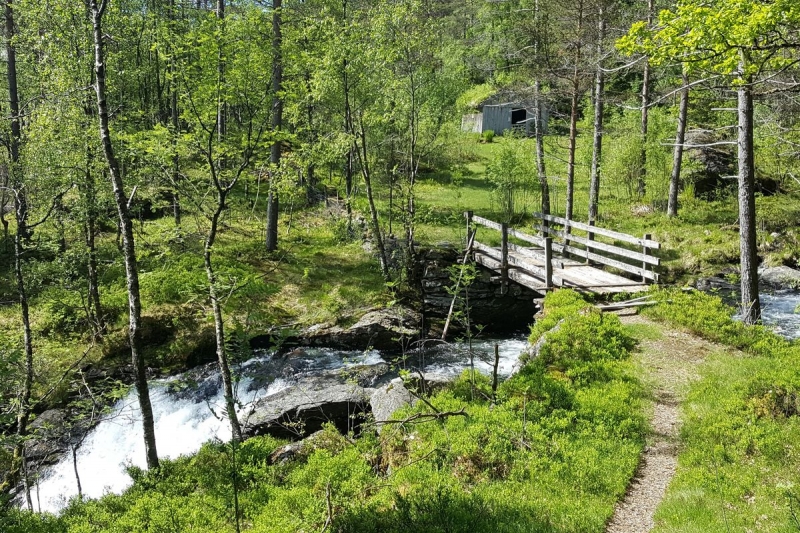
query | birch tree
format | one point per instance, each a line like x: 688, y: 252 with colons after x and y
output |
x: 744, y: 42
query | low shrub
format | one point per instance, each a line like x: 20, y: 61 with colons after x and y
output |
x: 552, y: 453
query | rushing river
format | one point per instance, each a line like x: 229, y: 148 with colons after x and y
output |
x: 781, y: 311
x: 187, y: 416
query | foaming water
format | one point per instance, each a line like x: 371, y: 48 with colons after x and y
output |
x: 186, y: 417
x: 453, y: 360
x: 781, y: 311
x: 182, y: 425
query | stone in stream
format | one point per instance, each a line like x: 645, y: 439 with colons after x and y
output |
x: 378, y: 329
x: 305, y: 408
x: 781, y: 277
x: 388, y: 399
x: 50, y: 437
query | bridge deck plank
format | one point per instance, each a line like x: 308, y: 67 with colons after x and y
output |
x: 581, y: 277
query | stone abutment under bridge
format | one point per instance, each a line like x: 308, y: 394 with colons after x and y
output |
x: 497, y: 307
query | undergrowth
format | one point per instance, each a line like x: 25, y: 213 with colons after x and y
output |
x: 738, y: 468
x: 552, y: 453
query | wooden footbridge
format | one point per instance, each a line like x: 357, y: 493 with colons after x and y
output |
x: 559, y: 257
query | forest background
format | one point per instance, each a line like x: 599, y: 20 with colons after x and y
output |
x: 180, y: 176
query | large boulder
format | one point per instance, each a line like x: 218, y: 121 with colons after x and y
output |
x: 781, y: 277
x: 389, y: 398
x: 379, y: 329
x: 301, y: 410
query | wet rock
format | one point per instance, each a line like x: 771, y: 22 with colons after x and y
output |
x: 430, y: 382
x: 389, y: 398
x: 198, y: 385
x: 301, y: 410
x: 377, y: 329
x: 781, y: 277
x: 50, y: 436
x: 715, y: 283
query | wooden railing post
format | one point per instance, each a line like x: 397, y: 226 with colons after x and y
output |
x: 590, y: 237
x: 504, y: 254
x: 645, y: 251
x: 468, y: 216
x: 548, y: 262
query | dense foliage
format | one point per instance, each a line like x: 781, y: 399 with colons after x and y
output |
x: 553, y: 453
x: 739, y: 462
x: 334, y: 124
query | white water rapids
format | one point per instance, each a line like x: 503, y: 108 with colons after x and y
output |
x: 183, y: 422
x: 781, y: 311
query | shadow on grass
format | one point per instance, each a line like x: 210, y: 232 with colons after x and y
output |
x: 441, y: 509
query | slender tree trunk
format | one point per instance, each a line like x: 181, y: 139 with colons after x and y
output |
x: 277, y: 123
x: 538, y: 126
x: 599, y: 89
x: 539, y: 133
x: 641, y: 187
x: 221, y: 107
x: 373, y: 211
x: 573, y: 118
x: 74, y: 449
x: 219, y: 324
x: 413, y: 166
x: 175, y: 118
x: 350, y: 159
x: 677, y: 155
x: 21, y: 235
x: 4, y: 201
x: 20, y: 201
x: 96, y: 310
x: 751, y: 305
x: 311, y: 179
x: 641, y: 174
x: 349, y: 164
x: 126, y: 227
x: 24, y: 409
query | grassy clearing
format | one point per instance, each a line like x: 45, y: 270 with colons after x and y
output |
x: 552, y: 454
x: 738, y: 469
x: 323, y: 275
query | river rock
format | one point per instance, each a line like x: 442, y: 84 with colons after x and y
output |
x: 715, y: 283
x: 301, y: 410
x: 781, y: 277
x: 379, y: 329
x: 388, y: 399
x: 430, y: 382
x: 50, y: 437
x: 294, y: 450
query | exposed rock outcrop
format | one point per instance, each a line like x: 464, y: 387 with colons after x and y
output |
x: 301, y: 410
x: 781, y: 277
x: 389, y: 398
x: 51, y: 436
x: 379, y: 329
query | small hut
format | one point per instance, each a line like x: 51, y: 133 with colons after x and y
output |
x: 501, y: 117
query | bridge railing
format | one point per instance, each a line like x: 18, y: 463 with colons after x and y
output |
x: 507, y: 262
x: 640, y: 263
x: 594, y: 251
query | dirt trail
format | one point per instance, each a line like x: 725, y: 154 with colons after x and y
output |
x: 670, y: 361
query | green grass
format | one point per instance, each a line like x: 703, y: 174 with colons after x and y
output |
x: 553, y: 454
x: 739, y: 463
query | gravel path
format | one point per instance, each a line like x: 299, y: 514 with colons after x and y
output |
x: 670, y: 362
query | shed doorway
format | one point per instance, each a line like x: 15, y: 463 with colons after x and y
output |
x: 518, y: 117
